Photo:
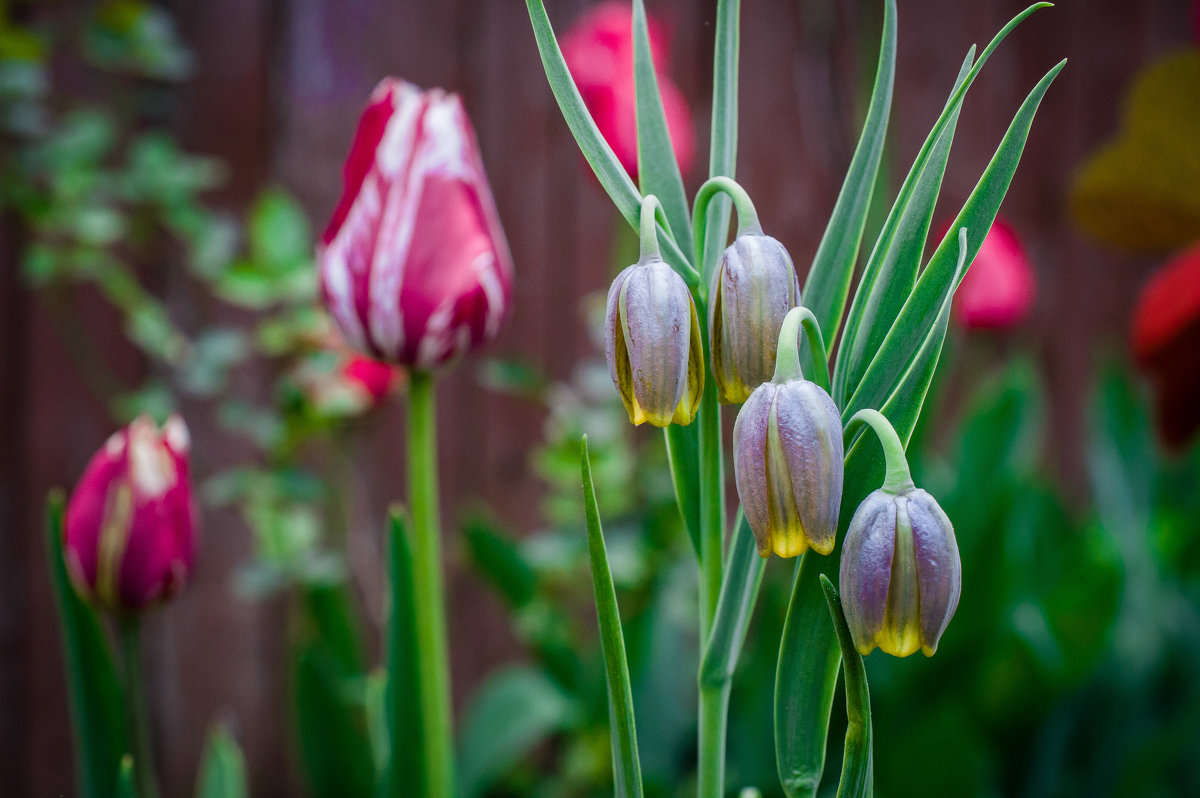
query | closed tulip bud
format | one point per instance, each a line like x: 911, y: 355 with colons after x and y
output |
x: 652, y: 343
x: 787, y: 457
x: 752, y: 290
x: 131, y: 522
x: 414, y: 266
x: 900, y: 573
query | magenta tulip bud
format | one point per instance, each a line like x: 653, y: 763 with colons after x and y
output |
x: 131, y: 521
x: 414, y: 266
x: 652, y: 343
x: 900, y: 573
x: 752, y: 290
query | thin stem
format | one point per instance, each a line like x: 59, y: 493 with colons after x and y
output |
x: 897, y: 478
x: 714, y: 713
x: 129, y: 632
x: 747, y: 215
x: 649, y: 229
x: 787, y: 354
x: 432, y: 657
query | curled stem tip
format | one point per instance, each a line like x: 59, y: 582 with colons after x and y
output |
x: 649, y: 230
x: 897, y: 478
x: 787, y: 355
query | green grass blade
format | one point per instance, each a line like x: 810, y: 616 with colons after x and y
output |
x: 627, y: 772
x: 402, y: 697
x: 739, y: 592
x: 658, y: 168
x: 917, y: 316
x: 93, y: 690
x: 595, y: 149
x: 223, y: 769
x: 683, y: 447
x: 891, y: 270
x: 857, y: 762
x: 828, y: 281
x: 722, y: 157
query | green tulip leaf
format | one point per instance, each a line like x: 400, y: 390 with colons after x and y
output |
x: 223, y: 768
x: 627, y: 771
x: 93, y: 690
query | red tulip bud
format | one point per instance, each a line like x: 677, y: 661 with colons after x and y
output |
x: 414, y: 265
x: 999, y: 288
x: 131, y: 522
x: 598, y: 50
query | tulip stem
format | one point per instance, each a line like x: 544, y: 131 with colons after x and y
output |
x: 432, y: 657
x: 897, y: 478
x: 130, y: 633
x: 748, y: 223
x: 787, y: 355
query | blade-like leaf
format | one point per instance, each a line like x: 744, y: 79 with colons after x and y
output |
x: 683, y: 446
x: 126, y: 788
x: 722, y: 158
x: 513, y: 711
x: 627, y: 772
x: 402, y: 708
x: 891, y: 271
x: 739, y: 592
x: 857, y: 762
x: 331, y: 725
x: 595, y: 149
x: 911, y: 326
x: 658, y: 168
x: 93, y: 690
x: 223, y: 769
x: 498, y: 558
x: 828, y: 280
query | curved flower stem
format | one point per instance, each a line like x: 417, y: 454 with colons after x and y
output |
x: 897, y: 478
x: 747, y: 215
x: 129, y: 630
x: 433, y: 660
x: 787, y: 355
x: 648, y: 233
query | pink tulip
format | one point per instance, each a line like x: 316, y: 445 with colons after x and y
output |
x: 131, y: 523
x: 414, y: 266
x: 1000, y: 286
x: 372, y: 377
x: 599, y: 53
x: 1166, y: 344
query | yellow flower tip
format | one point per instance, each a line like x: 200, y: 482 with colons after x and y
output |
x: 789, y: 544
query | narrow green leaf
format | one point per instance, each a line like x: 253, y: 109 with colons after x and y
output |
x: 498, y: 558
x: 126, y: 787
x: 828, y: 280
x: 857, y: 763
x: 891, y: 271
x: 911, y: 326
x: 735, y: 607
x: 722, y: 158
x: 222, y: 769
x: 658, y: 168
x: 595, y: 149
x: 511, y: 713
x: 331, y: 618
x: 93, y: 690
x: 402, y: 708
x: 683, y: 447
x: 627, y: 772
x: 331, y: 724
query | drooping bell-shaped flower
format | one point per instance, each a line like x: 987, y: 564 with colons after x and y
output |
x: 753, y: 288
x: 414, y: 266
x: 900, y: 571
x: 130, y: 532
x: 652, y: 343
x: 787, y: 457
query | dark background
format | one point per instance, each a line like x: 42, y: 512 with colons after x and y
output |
x: 276, y: 94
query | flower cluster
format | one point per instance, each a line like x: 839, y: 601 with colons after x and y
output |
x: 900, y: 570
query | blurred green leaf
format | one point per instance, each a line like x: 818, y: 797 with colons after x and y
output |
x: 94, y: 693
x: 138, y: 38
x: 513, y: 711
x: 125, y: 784
x: 280, y: 238
x: 407, y: 760
x: 501, y: 562
x: 222, y: 767
x: 627, y: 776
x: 331, y: 723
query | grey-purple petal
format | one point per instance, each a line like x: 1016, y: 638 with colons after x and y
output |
x: 866, y: 567
x: 939, y: 569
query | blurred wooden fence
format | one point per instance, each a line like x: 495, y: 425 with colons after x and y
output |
x: 277, y: 94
